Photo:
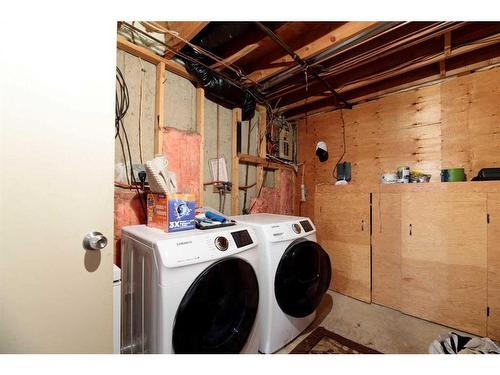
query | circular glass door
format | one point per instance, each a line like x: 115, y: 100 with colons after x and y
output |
x: 302, y: 278
x: 217, y: 313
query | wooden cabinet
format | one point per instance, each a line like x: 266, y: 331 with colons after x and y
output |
x: 494, y: 265
x: 443, y: 258
x: 386, y: 249
x: 435, y: 249
x: 343, y: 229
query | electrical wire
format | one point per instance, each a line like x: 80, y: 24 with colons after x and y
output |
x: 344, y: 145
x: 121, y: 107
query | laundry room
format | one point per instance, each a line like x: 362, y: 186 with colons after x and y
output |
x: 382, y: 154
x: 250, y: 189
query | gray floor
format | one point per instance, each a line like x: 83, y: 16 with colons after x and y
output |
x: 378, y: 327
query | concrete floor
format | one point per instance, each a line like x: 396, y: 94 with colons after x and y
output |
x: 375, y: 326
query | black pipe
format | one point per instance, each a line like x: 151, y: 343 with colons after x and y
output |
x: 353, y: 41
x: 337, y: 98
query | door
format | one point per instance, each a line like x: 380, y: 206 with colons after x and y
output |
x: 494, y: 266
x: 56, y: 167
x: 386, y: 249
x: 443, y: 259
x: 343, y: 229
x: 302, y: 278
x: 217, y: 313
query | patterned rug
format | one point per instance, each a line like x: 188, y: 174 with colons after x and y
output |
x: 323, y: 341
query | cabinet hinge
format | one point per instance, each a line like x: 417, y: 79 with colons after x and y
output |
x: 488, y: 311
x: 487, y: 218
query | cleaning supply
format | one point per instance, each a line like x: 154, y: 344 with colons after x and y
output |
x: 215, y: 217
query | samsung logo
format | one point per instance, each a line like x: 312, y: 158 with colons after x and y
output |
x: 184, y: 243
x: 275, y: 226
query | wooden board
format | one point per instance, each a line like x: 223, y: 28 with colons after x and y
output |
x: 386, y: 249
x: 470, y: 126
x: 430, y: 128
x: 152, y: 57
x: 235, y: 163
x: 200, y: 128
x: 159, y: 107
x: 443, y: 259
x: 343, y: 230
x: 494, y: 265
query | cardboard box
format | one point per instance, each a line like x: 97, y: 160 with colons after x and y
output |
x: 171, y: 212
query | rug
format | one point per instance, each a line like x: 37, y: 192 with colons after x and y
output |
x: 323, y: 341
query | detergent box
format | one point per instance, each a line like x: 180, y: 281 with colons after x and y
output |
x: 171, y: 212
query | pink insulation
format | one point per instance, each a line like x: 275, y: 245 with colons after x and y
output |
x: 128, y: 211
x: 182, y: 150
x: 274, y: 200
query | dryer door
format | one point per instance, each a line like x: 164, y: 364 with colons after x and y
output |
x: 217, y: 313
x: 302, y: 278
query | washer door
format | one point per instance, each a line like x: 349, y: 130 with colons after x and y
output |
x: 217, y: 313
x: 302, y: 278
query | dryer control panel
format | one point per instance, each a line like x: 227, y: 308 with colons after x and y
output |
x: 199, y: 246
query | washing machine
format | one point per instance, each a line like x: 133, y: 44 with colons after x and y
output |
x: 194, y: 291
x: 294, y: 276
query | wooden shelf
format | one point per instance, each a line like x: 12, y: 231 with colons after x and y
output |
x: 465, y: 186
x: 265, y: 163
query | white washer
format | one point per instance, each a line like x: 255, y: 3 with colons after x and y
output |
x: 294, y: 275
x: 194, y: 291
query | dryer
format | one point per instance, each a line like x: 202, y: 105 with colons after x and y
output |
x: 189, y: 292
x: 294, y: 275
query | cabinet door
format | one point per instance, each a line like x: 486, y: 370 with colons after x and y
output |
x: 343, y: 229
x: 494, y: 265
x: 386, y: 249
x: 443, y: 259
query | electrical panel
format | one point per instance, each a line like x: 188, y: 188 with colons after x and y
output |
x: 285, y: 144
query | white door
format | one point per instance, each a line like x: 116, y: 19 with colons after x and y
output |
x: 56, y: 183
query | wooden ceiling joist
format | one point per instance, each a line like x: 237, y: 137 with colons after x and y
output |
x: 457, y: 64
x: 334, y: 37
x: 394, y: 65
x: 185, y: 31
x: 235, y: 56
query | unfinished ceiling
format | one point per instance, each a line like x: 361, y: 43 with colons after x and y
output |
x: 306, y: 67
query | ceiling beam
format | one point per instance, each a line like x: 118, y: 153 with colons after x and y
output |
x: 334, y: 37
x: 185, y: 31
x: 235, y: 56
x: 457, y: 64
x: 391, y: 72
x: 336, y: 98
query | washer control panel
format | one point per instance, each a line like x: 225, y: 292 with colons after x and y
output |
x: 306, y: 225
x: 221, y: 243
x: 242, y: 238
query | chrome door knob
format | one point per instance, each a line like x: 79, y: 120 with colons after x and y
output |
x: 94, y: 241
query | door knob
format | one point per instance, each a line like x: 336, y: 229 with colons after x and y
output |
x: 94, y: 241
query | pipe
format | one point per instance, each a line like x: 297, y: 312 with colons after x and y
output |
x: 337, y: 98
x: 348, y: 43
x: 404, y: 42
x: 233, y: 82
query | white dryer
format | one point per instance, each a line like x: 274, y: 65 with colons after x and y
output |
x: 294, y: 276
x: 189, y: 292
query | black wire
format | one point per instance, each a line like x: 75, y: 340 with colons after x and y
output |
x: 344, y: 144
x: 121, y: 107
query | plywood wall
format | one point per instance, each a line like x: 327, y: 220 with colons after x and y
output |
x: 452, y: 124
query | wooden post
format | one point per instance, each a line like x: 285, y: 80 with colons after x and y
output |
x: 235, y: 164
x: 200, y: 128
x: 261, y: 146
x: 159, y: 107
